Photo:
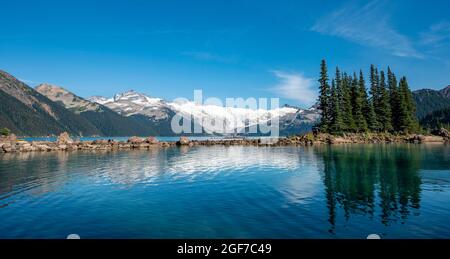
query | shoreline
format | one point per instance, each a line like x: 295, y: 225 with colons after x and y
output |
x: 11, y: 144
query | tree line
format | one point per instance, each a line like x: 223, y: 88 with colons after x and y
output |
x: 347, y: 105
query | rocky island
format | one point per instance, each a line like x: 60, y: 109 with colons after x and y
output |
x: 11, y: 144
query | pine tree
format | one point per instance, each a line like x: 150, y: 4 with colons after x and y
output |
x: 357, y: 105
x: 407, y: 109
x: 346, y: 101
x: 402, y: 113
x: 324, y: 98
x: 368, y: 110
x: 336, y: 125
x: 393, y: 99
x: 374, y: 124
x: 384, y: 109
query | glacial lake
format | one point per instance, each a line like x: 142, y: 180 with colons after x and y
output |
x: 347, y: 191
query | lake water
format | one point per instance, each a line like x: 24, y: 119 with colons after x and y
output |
x: 396, y: 191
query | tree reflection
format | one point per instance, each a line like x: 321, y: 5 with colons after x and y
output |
x: 373, y: 180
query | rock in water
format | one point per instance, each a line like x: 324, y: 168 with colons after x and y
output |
x: 183, y: 141
x: 443, y: 133
x: 135, y: 140
x: 64, y: 138
x: 151, y: 140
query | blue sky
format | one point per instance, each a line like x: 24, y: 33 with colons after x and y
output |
x: 226, y: 48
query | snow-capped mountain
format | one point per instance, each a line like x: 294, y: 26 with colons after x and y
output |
x: 131, y: 103
x: 291, y: 119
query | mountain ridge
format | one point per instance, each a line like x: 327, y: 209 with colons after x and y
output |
x: 429, y: 101
x: 27, y: 112
x: 52, y: 109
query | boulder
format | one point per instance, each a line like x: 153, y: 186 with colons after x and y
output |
x: 431, y: 139
x: 443, y: 133
x: 183, y: 141
x: 100, y: 142
x: 25, y: 147
x: 64, y: 138
x: 42, y: 147
x: 7, y: 147
x: 62, y: 147
x: 135, y: 140
x: 151, y: 140
x: 11, y: 138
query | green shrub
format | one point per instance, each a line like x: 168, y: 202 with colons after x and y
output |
x: 4, y: 132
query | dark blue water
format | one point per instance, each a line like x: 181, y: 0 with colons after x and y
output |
x: 396, y: 191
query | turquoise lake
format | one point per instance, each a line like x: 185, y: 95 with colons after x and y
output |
x: 348, y: 191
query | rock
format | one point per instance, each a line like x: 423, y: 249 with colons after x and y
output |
x: 64, y: 138
x: 125, y: 145
x: 165, y: 144
x: 443, y: 133
x: 100, y: 142
x: 141, y: 145
x: 11, y: 137
x: 7, y: 147
x: 151, y: 140
x: 62, y: 147
x: 135, y: 140
x: 340, y: 140
x: 431, y: 139
x: 42, y: 147
x: 25, y: 147
x: 183, y: 141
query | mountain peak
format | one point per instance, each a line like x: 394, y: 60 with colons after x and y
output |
x: 45, y: 87
x: 446, y: 91
x: 67, y: 98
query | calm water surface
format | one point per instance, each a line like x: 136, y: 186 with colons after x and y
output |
x: 397, y: 191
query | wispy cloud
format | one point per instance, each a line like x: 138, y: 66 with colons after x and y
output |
x: 295, y: 86
x: 438, y: 34
x: 368, y: 25
x: 207, y: 56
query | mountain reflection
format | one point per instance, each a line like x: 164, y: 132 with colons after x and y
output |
x: 367, y: 179
x: 351, y: 184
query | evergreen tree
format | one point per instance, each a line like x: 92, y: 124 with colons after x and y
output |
x: 368, y: 109
x: 357, y: 105
x: 346, y: 104
x: 393, y: 99
x: 407, y: 118
x: 402, y: 113
x: 374, y: 124
x: 384, y: 108
x: 324, y: 98
x: 336, y: 125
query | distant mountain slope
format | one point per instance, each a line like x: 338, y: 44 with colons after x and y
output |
x: 66, y: 98
x: 446, y: 92
x: 108, y: 122
x: 27, y: 112
x: 428, y: 101
x: 437, y: 119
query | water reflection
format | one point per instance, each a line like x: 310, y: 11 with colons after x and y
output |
x: 360, y: 178
x: 318, y: 191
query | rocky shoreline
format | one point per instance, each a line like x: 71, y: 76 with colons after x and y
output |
x: 11, y: 144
